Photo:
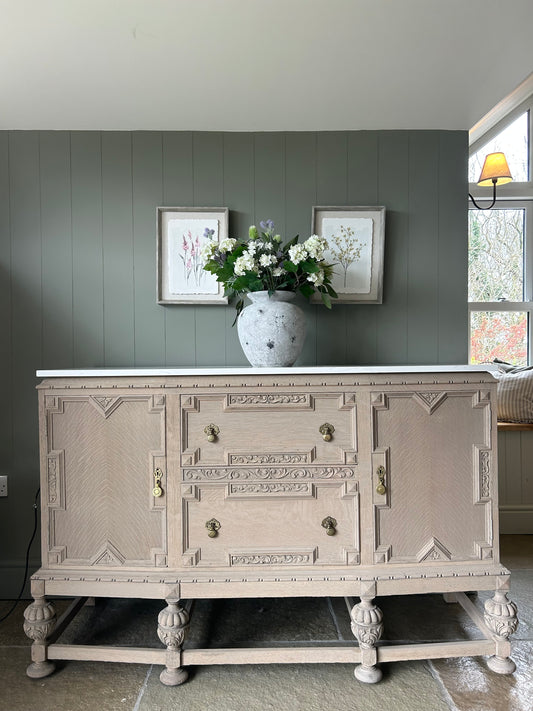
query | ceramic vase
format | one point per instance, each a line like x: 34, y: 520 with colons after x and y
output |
x: 271, y: 329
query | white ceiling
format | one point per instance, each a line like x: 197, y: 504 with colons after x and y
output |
x: 259, y: 64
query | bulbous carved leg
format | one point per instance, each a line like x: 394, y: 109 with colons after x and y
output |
x: 39, y: 622
x: 501, y: 619
x: 367, y: 626
x: 171, y: 628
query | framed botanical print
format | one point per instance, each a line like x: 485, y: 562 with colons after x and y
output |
x: 181, y: 234
x: 356, y: 240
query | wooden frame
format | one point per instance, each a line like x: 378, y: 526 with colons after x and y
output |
x: 356, y: 236
x: 180, y: 237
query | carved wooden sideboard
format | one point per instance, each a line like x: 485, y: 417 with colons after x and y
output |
x: 182, y: 484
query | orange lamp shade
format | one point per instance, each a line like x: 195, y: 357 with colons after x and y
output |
x: 495, y: 170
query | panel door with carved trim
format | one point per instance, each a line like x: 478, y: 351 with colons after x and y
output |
x: 433, y: 493
x: 278, y: 427
x: 99, y: 456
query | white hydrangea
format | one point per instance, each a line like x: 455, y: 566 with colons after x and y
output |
x: 316, y: 246
x: 278, y: 271
x: 317, y: 278
x: 226, y: 245
x: 268, y: 246
x: 252, y: 248
x: 245, y: 263
x: 265, y: 260
x: 208, y: 250
x: 297, y: 253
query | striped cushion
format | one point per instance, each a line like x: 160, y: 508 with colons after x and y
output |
x: 515, y: 393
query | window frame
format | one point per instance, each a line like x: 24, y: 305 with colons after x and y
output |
x: 517, y: 195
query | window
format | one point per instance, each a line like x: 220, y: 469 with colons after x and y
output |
x: 500, y: 248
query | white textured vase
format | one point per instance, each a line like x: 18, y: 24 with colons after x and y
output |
x: 271, y: 329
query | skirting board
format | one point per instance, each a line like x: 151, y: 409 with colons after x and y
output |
x: 516, y: 518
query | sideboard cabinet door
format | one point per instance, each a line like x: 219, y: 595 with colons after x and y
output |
x: 436, y: 499
x: 99, y: 456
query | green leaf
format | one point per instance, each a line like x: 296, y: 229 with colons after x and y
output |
x: 307, y: 290
x: 309, y: 267
x: 290, y: 267
x: 326, y: 300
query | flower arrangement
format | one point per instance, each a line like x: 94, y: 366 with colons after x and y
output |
x: 262, y: 263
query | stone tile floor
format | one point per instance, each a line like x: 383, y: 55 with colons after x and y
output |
x: 464, y: 684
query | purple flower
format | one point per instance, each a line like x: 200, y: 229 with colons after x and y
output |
x: 208, y: 234
x: 267, y: 225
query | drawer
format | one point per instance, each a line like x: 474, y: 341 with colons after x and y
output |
x: 268, y: 428
x: 270, y: 523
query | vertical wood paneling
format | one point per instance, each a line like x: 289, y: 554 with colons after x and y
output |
x: 502, y: 471
x: 526, y: 467
x: 147, y: 194
x: 239, y: 198
x: 208, y: 172
x: 117, y: 223
x: 56, y: 221
x: 269, y: 181
x: 362, y: 189
x: 26, y: 255
x: 332, y: 168
x: 513, y: 462
x: 332, y: 183
x: 180, y: 321
x: 6, y: 428
x: 422, y: 298
x: 300, y: 196
x: 87, y: 249
x: 362, y: 168
x: 453, y: 248
x: 391, y: 318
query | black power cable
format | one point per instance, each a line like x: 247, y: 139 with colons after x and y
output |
x: 35, y: 520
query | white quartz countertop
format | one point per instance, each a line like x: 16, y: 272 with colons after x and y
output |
x: 243, y: 370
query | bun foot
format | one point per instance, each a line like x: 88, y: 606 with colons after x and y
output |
x: 501, y: 665
x: 173, y: 677
x: 38, y: 670
x: 369, y: 675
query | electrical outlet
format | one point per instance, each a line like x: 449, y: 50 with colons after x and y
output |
x: 3, y: 485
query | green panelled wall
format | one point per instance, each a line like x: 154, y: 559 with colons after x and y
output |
x: 78, y: 270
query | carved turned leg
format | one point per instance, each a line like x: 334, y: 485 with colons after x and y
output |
x: 367, y: 626
x: 39, y: 622
x: 501, y: 619
x: 172, y: 624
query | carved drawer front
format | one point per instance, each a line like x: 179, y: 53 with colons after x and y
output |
x: 271, y: 523
x: 106, y: 480
x: 269, y: 428
x: 436, y: 501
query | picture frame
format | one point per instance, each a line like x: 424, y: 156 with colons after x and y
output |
x: 356, y: 239
x: 181, y: 234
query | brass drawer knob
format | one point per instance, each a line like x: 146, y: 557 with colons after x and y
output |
x: 212, y: 432
x: 326, y: 430
x: 213, y: 527
x: 329, y: 524
x: 381, y: 488
x: 157, y: 490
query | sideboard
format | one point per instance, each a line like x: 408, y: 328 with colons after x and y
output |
x: 182, y: 484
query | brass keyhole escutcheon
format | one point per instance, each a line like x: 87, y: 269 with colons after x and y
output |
x: 329, y: 524
x: 157, y: 490
x: 381, y: 488
x: 212, y: 432
x: 213, y: 527
x: 326, y: 430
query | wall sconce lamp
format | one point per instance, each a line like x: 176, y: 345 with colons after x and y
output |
x: 496, y: 172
